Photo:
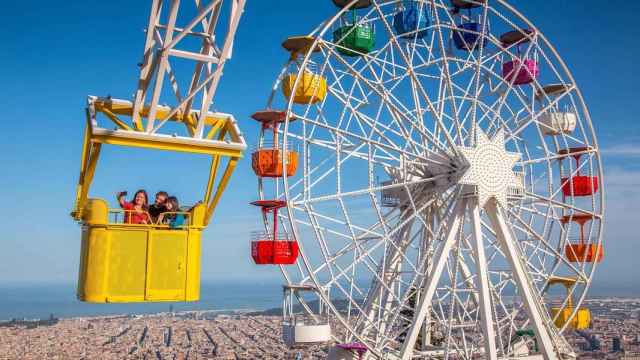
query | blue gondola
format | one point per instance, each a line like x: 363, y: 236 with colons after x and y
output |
x: 466, y: 36
x: 412, y: 21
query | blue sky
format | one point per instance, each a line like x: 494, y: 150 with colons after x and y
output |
x: 56, y: 53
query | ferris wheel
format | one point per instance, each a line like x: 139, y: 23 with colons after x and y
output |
x: 427, y: 172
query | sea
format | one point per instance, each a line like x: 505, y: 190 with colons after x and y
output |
x: 40, y: 301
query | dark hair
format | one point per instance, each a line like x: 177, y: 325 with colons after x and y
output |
x: 162, y: 193
x: 146, y: 198
x: 174, y: 203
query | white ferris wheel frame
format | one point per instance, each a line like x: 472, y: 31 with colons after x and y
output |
x: 552, y: 344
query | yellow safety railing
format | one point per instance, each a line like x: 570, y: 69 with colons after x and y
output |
x: 119, y: 217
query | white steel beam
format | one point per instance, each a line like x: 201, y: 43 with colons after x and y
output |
x: 193, y: 56
x: 431, y: 282
x: 148, y: 62
x: 532, y: 302
x: 172, y: 40
x: 388, y: 273
x: 237, y: 7
x: 482, y: 277
x: 162, y: 66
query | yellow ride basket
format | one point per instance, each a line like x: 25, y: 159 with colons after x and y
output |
x: 121, y: 262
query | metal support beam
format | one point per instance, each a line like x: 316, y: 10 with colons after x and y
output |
x: 431, y: 282
x: 483, y: 285
x: 532, y: 302
x: 231, y: 165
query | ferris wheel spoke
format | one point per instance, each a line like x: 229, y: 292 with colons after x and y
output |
x: 412, y: 74
x: 478, y: 88
x: 464, y: 97
x: 521, y: 102
x: 556, y: 203
x: 510, y: 85
x: 371, y: 190
x: 552, y: 157
x: 373, y: 124
x: 349, y: 247
x: 365, y: 60
x: 379, y: 82
x: 548, y: 246
x: 385, y: 97
x: 447, y: 75
x: 393, y: 257
x: 367, y: 253
x: 534, y: 117
x: 295, y: 199
x: 391, y: 148
x: 346, y: 134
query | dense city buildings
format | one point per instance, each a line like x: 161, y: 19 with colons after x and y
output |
x: 614, y: 334
x: 184, y: 336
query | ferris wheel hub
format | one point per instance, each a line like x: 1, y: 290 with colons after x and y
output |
x: 489, y: 168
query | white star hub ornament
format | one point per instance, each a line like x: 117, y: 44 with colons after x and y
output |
x: 490, y: 168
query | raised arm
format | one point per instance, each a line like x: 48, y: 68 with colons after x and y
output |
x: 121, y: 199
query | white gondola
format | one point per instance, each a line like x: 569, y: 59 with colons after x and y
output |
x: 556, y: 123
x: 300, y: 327
x: 518, y: 190
x: 556, y: 120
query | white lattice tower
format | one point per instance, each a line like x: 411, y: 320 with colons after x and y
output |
x: 175, y: 31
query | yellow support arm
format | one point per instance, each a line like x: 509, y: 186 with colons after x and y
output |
x: 221, y: 186
x: 90, y: 154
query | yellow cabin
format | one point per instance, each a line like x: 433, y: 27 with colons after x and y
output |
x: 312, y: 87
x: 562, y: 316
x: 581, y: 321
x: 133, y: 263
x: 124, y: 262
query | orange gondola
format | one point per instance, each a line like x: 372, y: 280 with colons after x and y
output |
x: 581, y: 250
x: 269, y: 160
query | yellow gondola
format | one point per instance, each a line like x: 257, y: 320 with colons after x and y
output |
x: 312, y: 87
x: 562, y: 316
x: 123, y: 262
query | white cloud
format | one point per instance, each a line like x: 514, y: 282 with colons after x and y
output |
x: 622, y: 150
x: 620, y: 178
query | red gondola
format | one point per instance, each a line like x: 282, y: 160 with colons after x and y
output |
x: 578, y: 185
x: 272, y: 248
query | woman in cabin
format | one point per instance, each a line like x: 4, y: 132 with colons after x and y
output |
x: 136, y: 210
x: 171, y: 217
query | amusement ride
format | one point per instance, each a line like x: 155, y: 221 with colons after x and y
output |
x: 427, y: 173
x: 436, y: 176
